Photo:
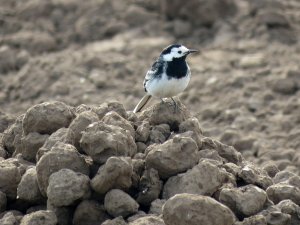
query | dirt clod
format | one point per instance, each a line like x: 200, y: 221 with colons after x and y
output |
x: 71, y: 72
x: 206, y: 210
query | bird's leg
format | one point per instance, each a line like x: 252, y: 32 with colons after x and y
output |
x: 176, y: 107
x: 173, y: 104
x: 162, y: 101
x: 166, y: 102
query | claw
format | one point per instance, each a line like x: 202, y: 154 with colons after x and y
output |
x: 173, y: 103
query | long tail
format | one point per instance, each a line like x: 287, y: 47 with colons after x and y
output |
x: 142, y: 103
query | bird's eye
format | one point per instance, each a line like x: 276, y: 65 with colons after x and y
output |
x: 179, y: 52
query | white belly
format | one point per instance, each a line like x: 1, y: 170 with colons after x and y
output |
x: 165, y: 88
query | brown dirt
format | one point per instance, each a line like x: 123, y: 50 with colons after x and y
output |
x: 245, y: 83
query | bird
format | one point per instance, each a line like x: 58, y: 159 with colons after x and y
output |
x: 168, y: 76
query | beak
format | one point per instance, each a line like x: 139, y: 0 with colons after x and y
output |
x: 192, y: 51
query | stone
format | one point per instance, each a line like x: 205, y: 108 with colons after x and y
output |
x: 156, y: 206
x: 138, y: 164
x: 101, y: 141
x: 271, y: 169
x: 83, y: 108
x: 63, y: 135
x: 244, y: 144
x: 118, y: 203
x: 47, y: 117
x: 116, y: 221
x: 289, y: 207
x: 113, y: 118
x: 285, y: 86
x: 141, y: 147
x: 89, y: 212
x: 36, y: 208
x: 190, y: 209
x: 63, y: 214
x: 167, y: 157
x: 225, y: 151
x: 132, y: 117
x: 30, y: 145
x: 3, y: 153
x: 138, y: 169
x: 3, y: 201
x: 192, y: 124
x: 109, y: 107
x: 136, y: 216
x: 149, y: 187
x: 6, y: 120
x: 159, y: 134
x: 66, y: 186
x: 142, y: 132
x: 282, y: 191
x: 21, y: 164
x: 253, y: 220
x: 253, y: 175
x: 278, y: 218
x: 80, y: 123
x: 12, y: 135
x: 9, y: 179
x: 229, y: 137
x: 210, y: 154
x: 116, y: 173
x: 163, y: 113
x: 232, y: 168
x: 203, y: 179
x: 140, y: 155
x: 148, y: 220
x: 11, y: 218
x: 42, y: 217
x: 28, y: 189
x: 283, y: 176
x: 61, y: 156
x: 244, y: 201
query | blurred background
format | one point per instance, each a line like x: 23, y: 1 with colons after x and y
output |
x: 245, y: 81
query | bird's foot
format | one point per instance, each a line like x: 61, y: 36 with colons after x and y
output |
x: 176, y: 107
x: 166, y: 102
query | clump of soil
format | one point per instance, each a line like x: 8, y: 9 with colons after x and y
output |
x: 105, y: 165
x: 245, y: 82
x: 244, y: 92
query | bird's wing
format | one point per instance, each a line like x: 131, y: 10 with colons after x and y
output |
x: 156, y: 70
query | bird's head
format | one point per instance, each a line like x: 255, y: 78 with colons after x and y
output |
x: 176, y: 51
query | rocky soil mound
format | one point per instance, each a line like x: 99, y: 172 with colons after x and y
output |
x: 65, y: 163
x: 245, y: 82
x: 90, y: 165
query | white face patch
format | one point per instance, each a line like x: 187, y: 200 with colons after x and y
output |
x: 176, y: 52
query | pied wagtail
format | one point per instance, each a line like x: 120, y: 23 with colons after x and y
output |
x: 168, y: 76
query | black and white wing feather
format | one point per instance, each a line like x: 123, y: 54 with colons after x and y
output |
x: 155, y: 71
